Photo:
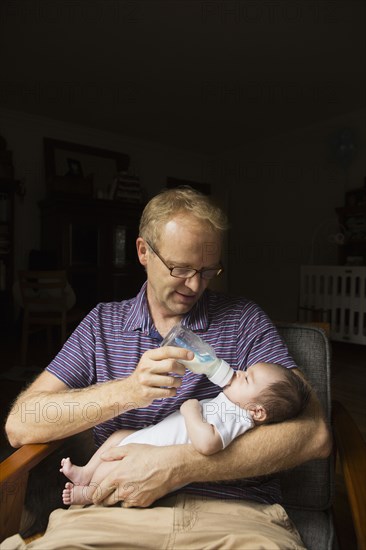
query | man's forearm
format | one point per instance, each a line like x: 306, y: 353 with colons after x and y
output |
x: 49, y: 410
x: 40, y: 416
x: 157, y: 471
x: 265, y: 450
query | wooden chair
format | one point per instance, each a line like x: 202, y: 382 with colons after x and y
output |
x: 307, y: 489
x: 14, y: 475
x: 46, y: 305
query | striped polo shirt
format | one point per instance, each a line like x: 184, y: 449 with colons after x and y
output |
x: 110, y: 340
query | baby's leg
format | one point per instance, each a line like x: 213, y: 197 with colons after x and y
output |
x: 82, y: 475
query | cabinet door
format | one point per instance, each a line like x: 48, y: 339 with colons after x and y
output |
x: 126, y: 274
x: 103, y: 263
x: 95, y: 242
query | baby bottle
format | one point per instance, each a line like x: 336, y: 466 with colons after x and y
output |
x: 205, y: 360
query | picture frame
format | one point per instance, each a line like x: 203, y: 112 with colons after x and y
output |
x: 73, y: 169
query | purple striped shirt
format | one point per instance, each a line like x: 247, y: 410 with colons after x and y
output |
x: 109, y: 342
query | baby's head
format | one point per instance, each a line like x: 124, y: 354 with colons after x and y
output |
x: 285, y: 398
x: 270, y: 393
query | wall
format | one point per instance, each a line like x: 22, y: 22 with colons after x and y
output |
x: 24, y: 134
x: 282, y: 193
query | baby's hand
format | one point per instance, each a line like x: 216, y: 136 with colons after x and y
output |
x: 189, y: 405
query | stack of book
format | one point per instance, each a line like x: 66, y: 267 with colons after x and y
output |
x: 126, y: 188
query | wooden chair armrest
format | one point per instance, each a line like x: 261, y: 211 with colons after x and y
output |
x: 351, y: 449
x: 14, y: 472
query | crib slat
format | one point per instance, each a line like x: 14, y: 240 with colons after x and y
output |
x: 337, y: 295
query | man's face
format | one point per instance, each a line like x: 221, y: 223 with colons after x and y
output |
x: 184, y: 242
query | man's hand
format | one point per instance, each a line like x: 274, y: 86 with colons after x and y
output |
x: 142, y: 475
x: 157, y: 375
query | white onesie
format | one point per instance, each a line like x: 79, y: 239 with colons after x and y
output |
x: 228, y: 418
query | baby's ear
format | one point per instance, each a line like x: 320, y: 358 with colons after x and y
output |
x: 258, y: 412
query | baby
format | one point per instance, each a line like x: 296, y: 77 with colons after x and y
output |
x: 263, y: 394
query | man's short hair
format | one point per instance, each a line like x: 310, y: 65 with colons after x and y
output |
x: 170, y: 202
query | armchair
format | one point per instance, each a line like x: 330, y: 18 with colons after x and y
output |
x: 307, y: 489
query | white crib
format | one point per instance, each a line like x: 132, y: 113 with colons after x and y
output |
x: 336, y: 295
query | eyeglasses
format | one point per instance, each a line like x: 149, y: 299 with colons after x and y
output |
x: 188, y: 272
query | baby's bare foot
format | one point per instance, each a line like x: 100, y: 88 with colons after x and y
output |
x: 76, y: 494
x: 67, y: 494
x: 76, y: 474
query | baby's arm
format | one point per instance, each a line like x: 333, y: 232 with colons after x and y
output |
x: 204, y: 436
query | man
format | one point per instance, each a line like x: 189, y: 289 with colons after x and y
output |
x: 112, y: 374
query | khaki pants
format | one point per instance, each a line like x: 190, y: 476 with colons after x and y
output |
x: 182, y: 522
